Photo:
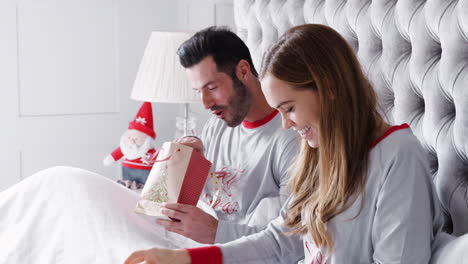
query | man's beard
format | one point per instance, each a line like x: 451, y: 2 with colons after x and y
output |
x: 238, y: 104
x: 133, y: 151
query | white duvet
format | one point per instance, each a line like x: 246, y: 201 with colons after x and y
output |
x: 69, y: 215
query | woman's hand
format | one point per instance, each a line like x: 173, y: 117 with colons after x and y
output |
x: 193, y: 142
x: 159, y: 256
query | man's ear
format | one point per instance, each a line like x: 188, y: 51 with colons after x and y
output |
x: 243, y: 71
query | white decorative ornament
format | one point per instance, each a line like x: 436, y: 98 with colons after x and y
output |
x: 141, y: 120
x: 146, y: 159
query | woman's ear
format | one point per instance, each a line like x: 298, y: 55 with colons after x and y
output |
x: 329, y: 91
x: 331, y: 94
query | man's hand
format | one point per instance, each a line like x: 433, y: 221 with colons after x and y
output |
x: 193, y: 142
x: 159, y: 256
x: 194, y: 222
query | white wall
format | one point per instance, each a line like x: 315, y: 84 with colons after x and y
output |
x: 66, y: 72
x: 196, y: 15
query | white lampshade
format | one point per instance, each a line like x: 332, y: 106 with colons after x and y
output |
x: 160, y: 77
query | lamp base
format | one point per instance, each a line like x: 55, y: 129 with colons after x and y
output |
x: 185, y: 127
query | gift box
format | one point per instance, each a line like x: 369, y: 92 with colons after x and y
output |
x: 178, y: 176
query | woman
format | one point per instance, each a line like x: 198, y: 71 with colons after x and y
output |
x: 361, y: 190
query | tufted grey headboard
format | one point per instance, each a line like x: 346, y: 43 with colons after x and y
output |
x: 415, y: 52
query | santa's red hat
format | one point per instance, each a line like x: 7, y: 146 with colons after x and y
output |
x: 144, y: 120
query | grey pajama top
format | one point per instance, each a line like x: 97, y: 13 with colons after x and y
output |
x: 247, y: 187
x: 398, y: 222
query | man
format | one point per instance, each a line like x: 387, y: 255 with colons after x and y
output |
x: 244, y: 141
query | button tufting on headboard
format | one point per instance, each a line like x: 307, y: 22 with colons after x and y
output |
x: 416, y: 55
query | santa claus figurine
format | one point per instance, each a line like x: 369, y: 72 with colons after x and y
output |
x: 137, y: 149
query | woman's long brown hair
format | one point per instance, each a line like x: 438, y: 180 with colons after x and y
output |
x: 327, y: 180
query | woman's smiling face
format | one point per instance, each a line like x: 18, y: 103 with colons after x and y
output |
x: 299, y: 108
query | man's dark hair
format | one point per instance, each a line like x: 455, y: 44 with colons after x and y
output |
x: 226, y: 48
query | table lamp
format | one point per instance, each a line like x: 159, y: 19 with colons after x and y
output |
x: 160, y: 77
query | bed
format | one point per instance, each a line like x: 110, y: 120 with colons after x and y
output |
x: 70, y: 215
x: 415, y: 53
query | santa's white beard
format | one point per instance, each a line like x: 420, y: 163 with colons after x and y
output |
x: 132, y: 151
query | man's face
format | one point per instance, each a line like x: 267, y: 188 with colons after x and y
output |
x: 227, y: 98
